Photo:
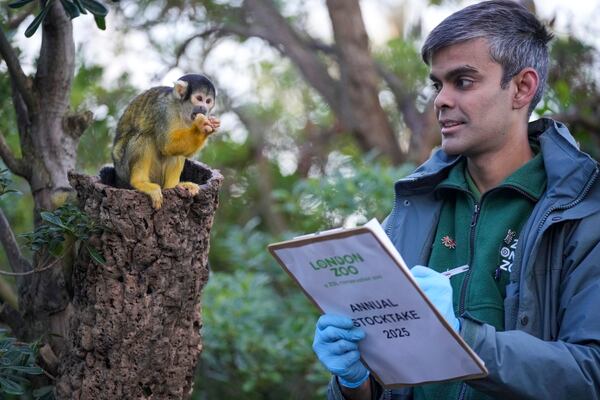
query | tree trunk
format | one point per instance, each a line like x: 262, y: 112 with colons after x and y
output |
x: 359, y: 90
x: 354, y: 97
x: 49, y: 151
x: 134, y: 330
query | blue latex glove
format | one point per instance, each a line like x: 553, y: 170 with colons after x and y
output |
x: 336, y: 346
x: 438, y: 289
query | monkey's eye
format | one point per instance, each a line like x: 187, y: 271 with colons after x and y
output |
x: 208, y: 101
x: 199, y: 98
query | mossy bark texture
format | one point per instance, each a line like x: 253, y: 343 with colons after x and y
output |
x: 136, y: 319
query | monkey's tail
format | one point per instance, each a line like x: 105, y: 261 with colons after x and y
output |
x: 108, y: 176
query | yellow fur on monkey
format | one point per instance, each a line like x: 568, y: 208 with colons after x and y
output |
x: 158, y: 130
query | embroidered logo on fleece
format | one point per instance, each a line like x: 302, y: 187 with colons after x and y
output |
x: 507, y: 251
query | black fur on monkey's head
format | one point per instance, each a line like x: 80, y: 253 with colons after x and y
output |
x: 195, y: 83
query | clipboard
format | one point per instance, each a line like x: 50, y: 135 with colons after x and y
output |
x: 359, y: 273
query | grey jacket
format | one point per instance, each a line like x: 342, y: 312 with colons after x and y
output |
x: 551, y: 346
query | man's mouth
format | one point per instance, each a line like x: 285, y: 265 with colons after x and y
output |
x: 449, y: 125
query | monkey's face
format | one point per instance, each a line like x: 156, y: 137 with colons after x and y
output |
x: 202, y: 101
x: 197, y: 95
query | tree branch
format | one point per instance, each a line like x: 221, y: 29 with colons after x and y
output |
x: 362, y: 110
x: 14, y: 22
x: 272, y: 218
x: 281, y: 36
x: 183, y: 47
x: 11, y: 317
x: 404, y: 98
x: 17, y: 262
x: 422, y: 125
x: 8, y: 295
x: 16, y: 72
x: 574, y: 117
x: 16, y: 165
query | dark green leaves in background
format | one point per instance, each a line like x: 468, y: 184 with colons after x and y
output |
x: 73, y: 8
x: 17, y: 361
x: 65, y: 224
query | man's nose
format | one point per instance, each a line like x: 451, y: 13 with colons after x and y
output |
x: 443, y: 99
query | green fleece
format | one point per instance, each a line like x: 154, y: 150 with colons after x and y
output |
x: 482, y: 232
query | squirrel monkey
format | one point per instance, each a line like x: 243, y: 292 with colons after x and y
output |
x: 158, y: 130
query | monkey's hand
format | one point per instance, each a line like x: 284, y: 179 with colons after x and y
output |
x: 214, y: 122
x: 206, y: 125
x: 190, y: 187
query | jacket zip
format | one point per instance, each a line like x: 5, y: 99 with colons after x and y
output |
x: 572, y: 204
x: 463, y: 391
x: 463, y: 290
x: 388, y: 228
x: 474, y: 219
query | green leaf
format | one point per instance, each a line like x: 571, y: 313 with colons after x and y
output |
x: 19, y: 3
x: 38, y: 20
x: 11, y: 387
x: 27, y: 370
x: 52, y: 219
x: 56, y: 247
x: 80, y: 6
x: 70, y: 8
x: 100, y: 22
x: 95, y: 7
x: 96, y: 256
x: 42, y: 391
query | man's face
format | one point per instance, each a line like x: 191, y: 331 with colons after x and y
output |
x: 475, y: 114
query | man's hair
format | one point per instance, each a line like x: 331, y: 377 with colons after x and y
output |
x: 517, y: 39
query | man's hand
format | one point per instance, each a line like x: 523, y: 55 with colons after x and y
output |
x: 336, y: 346
x: 438, y: 289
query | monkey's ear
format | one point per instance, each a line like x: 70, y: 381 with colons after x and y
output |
x: 180, y: 89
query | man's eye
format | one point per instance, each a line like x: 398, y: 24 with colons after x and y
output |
x: 464, y: 83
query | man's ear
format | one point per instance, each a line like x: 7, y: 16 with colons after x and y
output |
x: 526, y: 84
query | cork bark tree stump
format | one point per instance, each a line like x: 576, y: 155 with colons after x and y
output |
x: 134, y: 330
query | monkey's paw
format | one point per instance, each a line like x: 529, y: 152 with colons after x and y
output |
x: 157, y: 198
x: 214, y: 122
x: 190, y: 187
x: 206, y: 125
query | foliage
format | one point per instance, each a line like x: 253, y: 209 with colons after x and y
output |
x: 65, y: 224
x: 16, y: 362
x: 355, y: 190
x: 5, y: 182
x: 258, y: 326
x: 256, y: 341
x: 402, y: 57
x: 88, y: 92
x: 573, y: 93
x: 73, y: 8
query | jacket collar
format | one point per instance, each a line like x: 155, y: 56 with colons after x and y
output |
x: 567, y: 168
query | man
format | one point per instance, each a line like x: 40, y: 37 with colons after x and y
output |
x: 517, y: 202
